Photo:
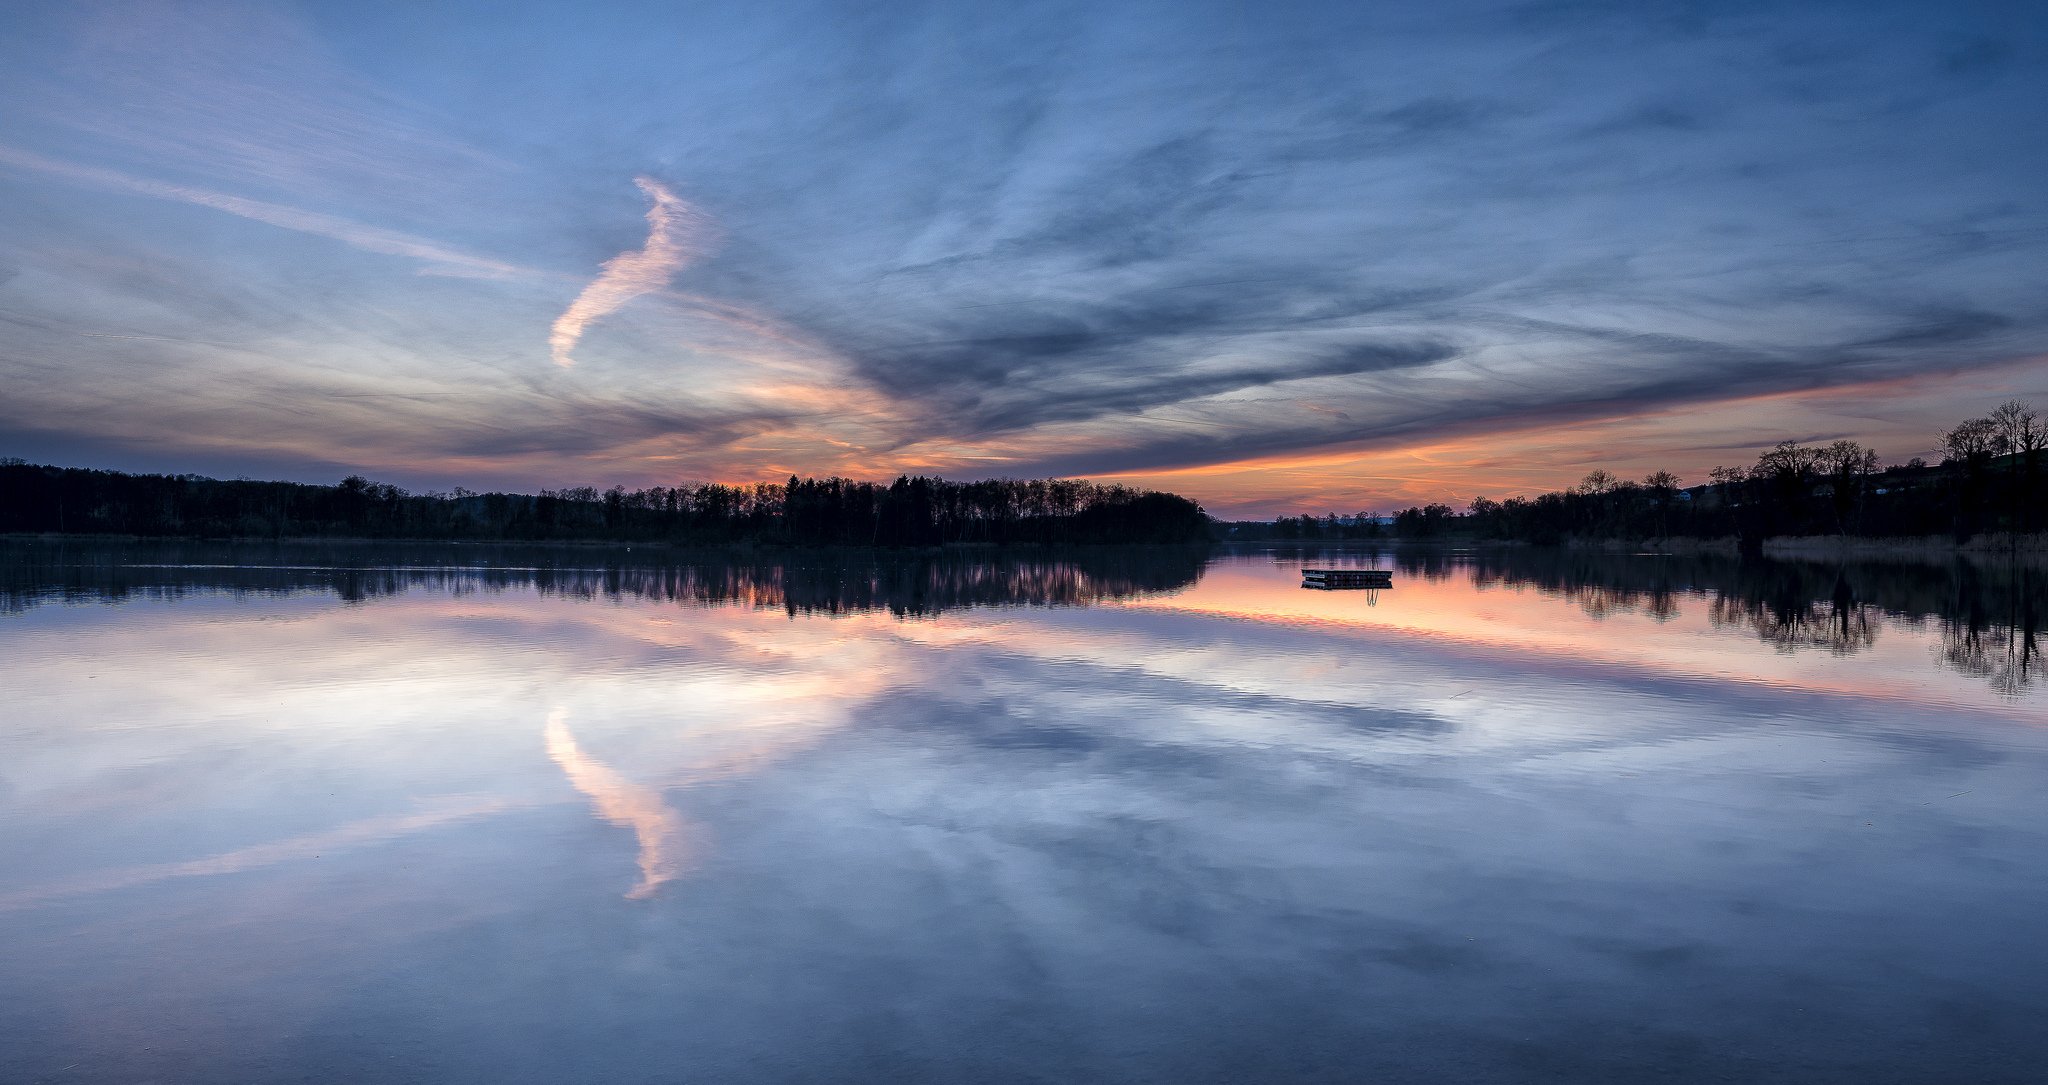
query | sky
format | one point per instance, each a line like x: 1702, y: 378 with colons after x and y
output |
x: 1278, y: 257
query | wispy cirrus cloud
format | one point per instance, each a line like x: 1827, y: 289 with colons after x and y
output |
x: 676, y: 234
x: 1265, y: 275
x: 437, y: 259
x: 247, y: 98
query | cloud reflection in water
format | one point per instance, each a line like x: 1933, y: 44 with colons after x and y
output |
x: 624, y: 803
x: 1529, y: 818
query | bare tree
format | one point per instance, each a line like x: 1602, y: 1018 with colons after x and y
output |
x: 2018, y: 425
x: 1790, y: 461
x: 1971, y: 443
x: 2022, y: 434
x: 1663, y: 487
x: 1849, y: 466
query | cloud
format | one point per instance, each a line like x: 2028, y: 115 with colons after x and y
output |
x: 437, y: 258
x: 676, y: 234
x: 248, y: 98
x: 1942, y: 327
x: 1001, y: 368
x: 1035, y: 250
x: 1611, y: 373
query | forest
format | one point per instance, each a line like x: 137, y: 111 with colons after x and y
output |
x: 1989, y: 479
x: 913, y: 511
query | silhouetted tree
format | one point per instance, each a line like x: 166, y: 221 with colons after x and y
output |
x: 1663, y: 489
x: 914, y: 512
x: 2021, y: 434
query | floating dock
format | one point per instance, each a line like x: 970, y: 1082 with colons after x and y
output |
x: 1347, y: 578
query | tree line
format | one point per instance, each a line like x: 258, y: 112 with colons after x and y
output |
x: 1989, y: 479
x: 913, y: 511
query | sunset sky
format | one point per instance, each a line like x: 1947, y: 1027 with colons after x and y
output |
x: 1277, y: 257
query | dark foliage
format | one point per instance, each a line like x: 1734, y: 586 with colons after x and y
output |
x: 1362, y: 525
x: 1990, y: 479
x: 912, y: 511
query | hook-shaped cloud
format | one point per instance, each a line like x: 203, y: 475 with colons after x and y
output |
x: 676, y: 234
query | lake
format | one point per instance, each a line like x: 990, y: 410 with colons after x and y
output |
x: 476, y: 814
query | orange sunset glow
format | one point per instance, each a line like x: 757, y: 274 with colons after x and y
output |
x: 1466, y: 542
x: 244, y: 244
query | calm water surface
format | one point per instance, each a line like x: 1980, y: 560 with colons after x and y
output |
x: 322, y: 814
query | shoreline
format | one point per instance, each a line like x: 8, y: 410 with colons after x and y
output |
x: 1990, y: 545
x: 2001, y: 544
x: 2031, y: 547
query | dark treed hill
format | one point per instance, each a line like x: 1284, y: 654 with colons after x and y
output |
x: 1989, y: 480
x: 1953, y: 499
x: 912, y: 511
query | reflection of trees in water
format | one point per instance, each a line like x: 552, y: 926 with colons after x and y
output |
x: 2008, y: 657
x: 1589, y: 579
x: 1988, y: 612
x: 2001, y: 644
x: 1786, y: 624
x: 905, y: 585
x: 1599, y: 600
